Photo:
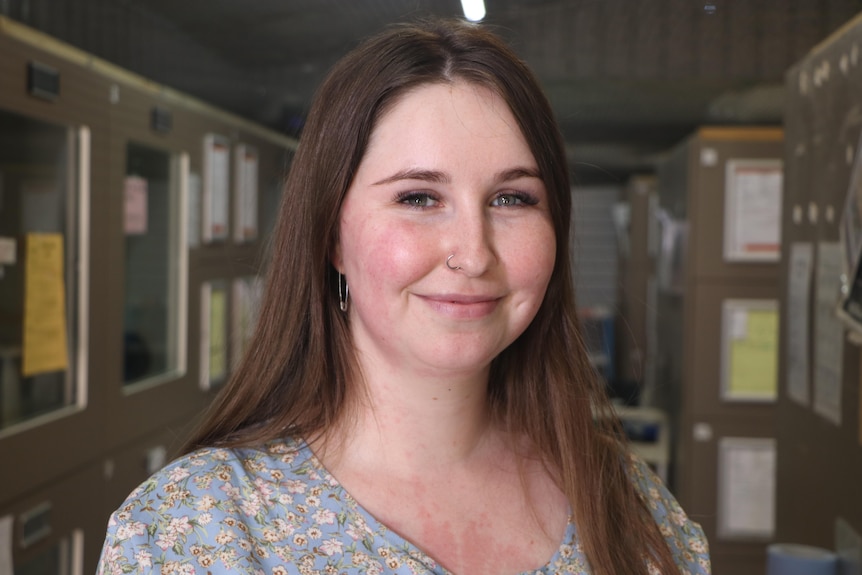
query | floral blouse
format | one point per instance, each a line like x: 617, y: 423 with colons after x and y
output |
x: 275, y: 510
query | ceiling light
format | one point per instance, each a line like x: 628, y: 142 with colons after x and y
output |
x: 474, y: 10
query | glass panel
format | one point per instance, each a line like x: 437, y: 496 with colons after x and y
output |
x: 152, y: 217
x: 38, y: 269
x: 59, y: 559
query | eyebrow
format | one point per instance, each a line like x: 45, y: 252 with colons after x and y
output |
x: 437, y: 177
x: 432, y: 176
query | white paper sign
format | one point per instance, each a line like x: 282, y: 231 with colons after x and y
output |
x: 829, y: 334
x: 216, y: 187
x: 739, y: 324
x: 752, y: 215
x: 746, y: 488
x: 246, y: 192
x: 799, y: 271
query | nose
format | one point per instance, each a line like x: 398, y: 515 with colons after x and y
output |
x: 472, y: 247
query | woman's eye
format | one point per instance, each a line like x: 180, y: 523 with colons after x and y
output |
x: 417, y: 200
x: 513, y: 199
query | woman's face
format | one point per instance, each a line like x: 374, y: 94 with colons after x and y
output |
x: 447, y: 173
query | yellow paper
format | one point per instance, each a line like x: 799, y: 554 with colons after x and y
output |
x: 44, y: 306
x: 218, y: 351
x: 754, y: 358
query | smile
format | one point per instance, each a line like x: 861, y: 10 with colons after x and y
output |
x: 462, y: 306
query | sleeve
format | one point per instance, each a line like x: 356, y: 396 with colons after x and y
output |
x: 684, y: 537
x: 170, y: 524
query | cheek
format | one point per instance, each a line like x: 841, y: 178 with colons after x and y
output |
x: 383, y: 257
x: 532, y: 261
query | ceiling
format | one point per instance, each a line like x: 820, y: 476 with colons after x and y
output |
x: 628, y: 79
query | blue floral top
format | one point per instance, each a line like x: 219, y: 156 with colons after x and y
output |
x: 276, y: 511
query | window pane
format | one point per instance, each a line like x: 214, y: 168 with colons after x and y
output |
x: 151, y: 225
x: 59, y: 559
x: 38, y: 269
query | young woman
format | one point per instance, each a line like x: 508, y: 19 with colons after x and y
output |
x: 417, y: 397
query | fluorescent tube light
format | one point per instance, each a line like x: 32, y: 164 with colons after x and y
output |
x: 474, y: 10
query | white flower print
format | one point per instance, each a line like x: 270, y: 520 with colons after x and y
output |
x: 206, y: 503
x: 295, y: 486
x: 250, y: 507
x: 177, y: 474
x: 144, y: 558
x: 166, y: 540
x: 180, y: 525
x: 285, y: 499
x: 129, y: 530
x: 264, y: 487
x: 331, y: 546
x: 271, y: 535
x: 324, y: 516
x: 224, y: 537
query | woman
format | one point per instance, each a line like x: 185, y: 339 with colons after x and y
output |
x: 417, y: 397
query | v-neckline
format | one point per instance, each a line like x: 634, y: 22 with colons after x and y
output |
x: 568, y: 545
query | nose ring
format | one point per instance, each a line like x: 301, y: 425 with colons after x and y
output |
x: 450, y: 266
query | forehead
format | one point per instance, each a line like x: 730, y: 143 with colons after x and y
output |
x: 458, y: 95
x: 446, y: 116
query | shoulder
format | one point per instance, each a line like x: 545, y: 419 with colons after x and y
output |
x: 202, y: 509
x: 684, y: 536
x: 196, y: 477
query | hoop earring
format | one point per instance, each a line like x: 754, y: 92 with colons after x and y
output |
x: 343, y: 293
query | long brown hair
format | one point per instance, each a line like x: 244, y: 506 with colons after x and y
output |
x: 295, y: 378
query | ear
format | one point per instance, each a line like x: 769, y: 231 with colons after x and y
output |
x: 335, y: 257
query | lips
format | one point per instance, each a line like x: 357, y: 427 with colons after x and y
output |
x: 461, y: 306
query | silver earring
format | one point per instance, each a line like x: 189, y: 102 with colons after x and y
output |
x: 450, y: 266
x: 343, y: 293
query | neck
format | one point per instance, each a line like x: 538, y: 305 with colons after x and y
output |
x: 417, y: 424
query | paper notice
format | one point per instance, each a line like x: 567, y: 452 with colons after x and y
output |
x: 246, y: 194
x: 753, y: 363
x: 216, y: 193
x: 746, y: 498
x: 799, y: 272
x: 45, y: 349
x: 828, y: 334
x: 752, y: 352
x: 753, y: 210
x: 739, y: 324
